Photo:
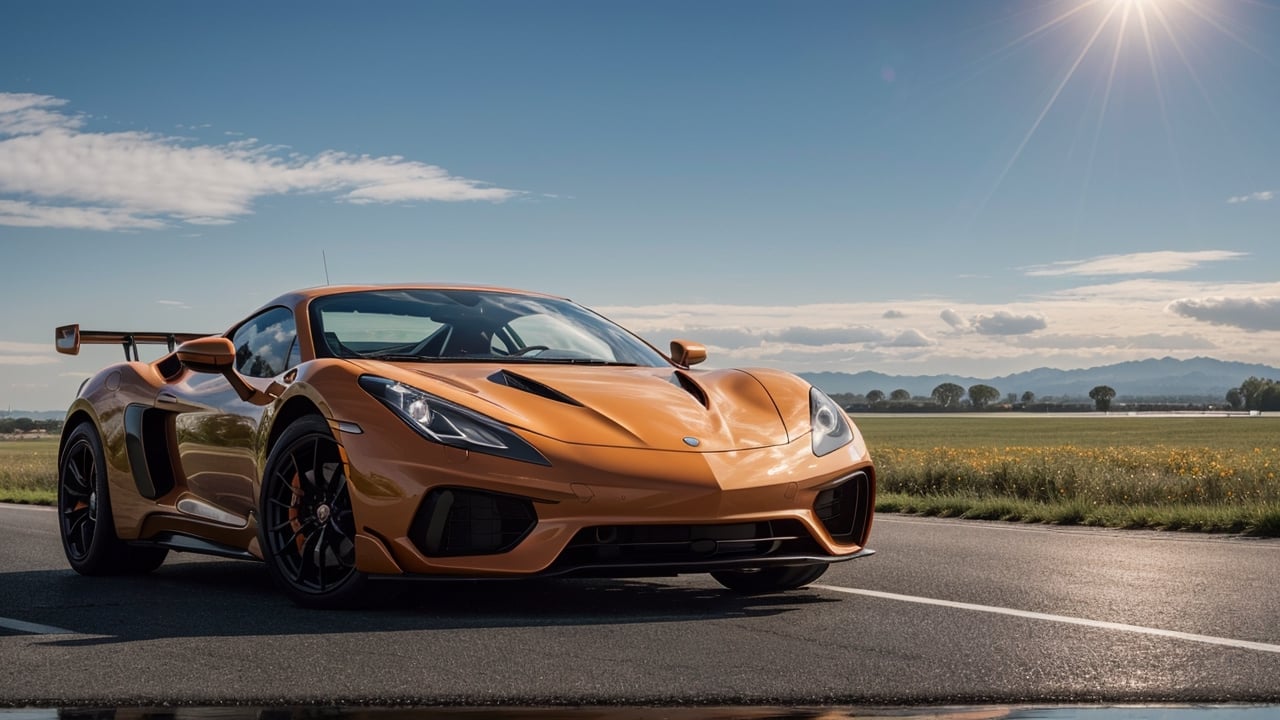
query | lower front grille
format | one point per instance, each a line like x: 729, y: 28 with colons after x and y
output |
x: 845, y: 510
x: 458, y: 521
x: 675, y: 544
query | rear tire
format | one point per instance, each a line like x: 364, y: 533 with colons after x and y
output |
x: 307, y: 528
x: 85, y: 522
x: 769, y: 579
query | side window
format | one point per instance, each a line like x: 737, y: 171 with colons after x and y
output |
x: 267, y: 345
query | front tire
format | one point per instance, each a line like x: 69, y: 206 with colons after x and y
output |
x: 769, y: 579
x: 308, y: 529
x: 84, y: 512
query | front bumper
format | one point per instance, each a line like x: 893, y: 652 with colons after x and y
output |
x: 611, y: 511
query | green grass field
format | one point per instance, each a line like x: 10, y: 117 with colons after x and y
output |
x: 29, y: 471
x: 1215, y: 474
x: 1209, y: 474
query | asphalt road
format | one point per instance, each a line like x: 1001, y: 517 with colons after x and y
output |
x: 947, y: 612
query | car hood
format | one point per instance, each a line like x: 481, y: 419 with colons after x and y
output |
x: 631, y: 407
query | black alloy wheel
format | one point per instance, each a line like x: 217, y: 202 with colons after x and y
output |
x: 78, y: 498
x: 84, y: 512
x: 308, y: 528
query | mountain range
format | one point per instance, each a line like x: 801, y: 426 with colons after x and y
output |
x: 1199, y: 378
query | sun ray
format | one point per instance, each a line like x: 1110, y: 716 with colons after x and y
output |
x: 1217, y: 24
x: 1053, y: 99
x: 1106, y: 101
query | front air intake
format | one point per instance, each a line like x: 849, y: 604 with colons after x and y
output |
x: 845, y: 510
x: 459, y: 521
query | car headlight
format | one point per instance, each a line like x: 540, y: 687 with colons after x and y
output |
x: 831, y: 429
x: 441, y: 421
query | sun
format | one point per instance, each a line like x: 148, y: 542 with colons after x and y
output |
x: 1157, y: 33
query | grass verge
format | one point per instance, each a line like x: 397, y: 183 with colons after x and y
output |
x: 1260, y: 520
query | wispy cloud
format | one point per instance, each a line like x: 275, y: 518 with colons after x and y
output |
x: 1145, y: 263
x: 1261, y: 196
x: 1247, y: 313
x: 1002, y: 322
x: 1081, y: 326
x: 176, y: 304
x: 59, y: 175
x: 25, y: 353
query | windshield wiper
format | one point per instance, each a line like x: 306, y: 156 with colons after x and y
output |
x: 569, y: 361
x: 404, y: 357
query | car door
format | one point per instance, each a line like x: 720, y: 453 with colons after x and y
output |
x: 218, y: 433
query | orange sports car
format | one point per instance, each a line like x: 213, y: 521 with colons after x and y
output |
x: 346, y: 434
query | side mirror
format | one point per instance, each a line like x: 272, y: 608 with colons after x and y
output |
x: 208, y: 355
x: 217, y: 355
x: 688, y: 352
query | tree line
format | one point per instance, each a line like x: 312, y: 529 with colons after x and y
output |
x: 9, y: 426
x: 1253, y: 394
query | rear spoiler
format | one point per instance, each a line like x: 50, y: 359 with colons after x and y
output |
x: 69, y: 338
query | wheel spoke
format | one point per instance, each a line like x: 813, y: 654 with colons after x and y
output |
x: 86, y: 535
x: 318, y: 560
x: 302, y: 559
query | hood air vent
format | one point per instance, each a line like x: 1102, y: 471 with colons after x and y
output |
x: 682, y: 380
x: 533, y: 387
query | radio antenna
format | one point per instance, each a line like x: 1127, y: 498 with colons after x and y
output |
x: 326, y: 267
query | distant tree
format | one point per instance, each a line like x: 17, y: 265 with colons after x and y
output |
x: 1252, y: 390
x: 982, y: 395
x: 899, y: 395
x: 875, y: 396
x: 1235, y: 398
x: 1011, y: 398
x: 1028, y: 397
x: 1269, y: 398
x: 1101, y: 397
x: 948, y: 395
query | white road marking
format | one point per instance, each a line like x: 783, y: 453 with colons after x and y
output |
x: 1101, y: 624
x: 33, y: 628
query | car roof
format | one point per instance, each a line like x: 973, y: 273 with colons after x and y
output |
x: 296, y: 297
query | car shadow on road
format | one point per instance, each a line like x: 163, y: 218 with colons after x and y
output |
x: 231, y: 599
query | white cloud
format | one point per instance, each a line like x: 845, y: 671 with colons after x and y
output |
x: 893, y: 314
x: 826, y: 336
x: 18, y: 213
x: 1003, y: 322
x: 1145, y: 341
x: 910, y: 339
x: 69, y: 178
x: 1093, y: 325
x: 1247, y: 313
x: 1262, y: 196
x: 954, y: 319
x: 1145, y: 263
x: 26, y: 353
x: 23, y: 113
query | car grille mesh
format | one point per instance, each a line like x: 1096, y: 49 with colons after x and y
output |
x: 621, y: 545
x: 457, y: 521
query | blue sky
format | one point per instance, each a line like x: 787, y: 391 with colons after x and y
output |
x: 908, y: 186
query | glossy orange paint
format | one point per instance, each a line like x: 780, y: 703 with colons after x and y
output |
x: 618, y: 455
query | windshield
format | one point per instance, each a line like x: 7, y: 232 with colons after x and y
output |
x: 471, y: 326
